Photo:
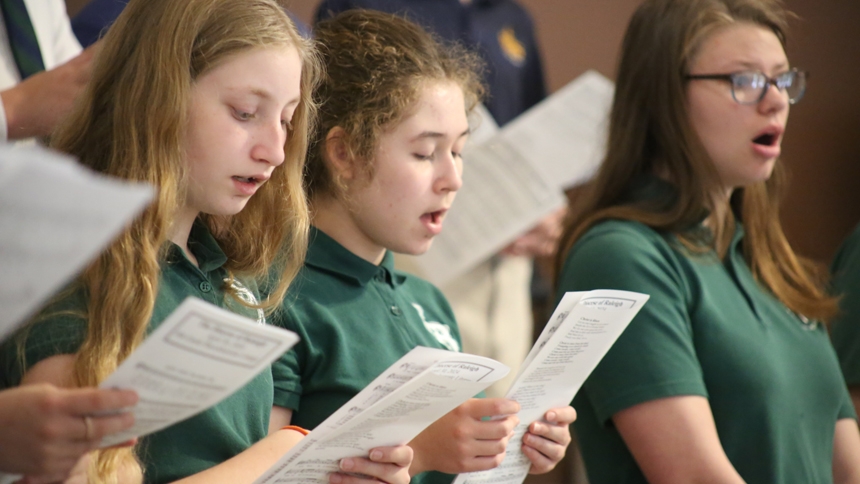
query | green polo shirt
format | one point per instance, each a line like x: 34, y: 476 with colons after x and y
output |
x: 202, y: 441
x: 846, y: 327
x: 355, y: 319
x: 709, y: 329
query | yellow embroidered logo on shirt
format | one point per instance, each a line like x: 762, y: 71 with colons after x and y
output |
x: 511, y: 46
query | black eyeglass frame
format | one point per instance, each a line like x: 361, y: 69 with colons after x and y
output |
x: 798, y: 74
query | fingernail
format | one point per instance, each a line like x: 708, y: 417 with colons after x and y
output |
x: 335, y: 478
x: 551, y: 416
x: 537, y: 428
x: 376, y: 455
x: 347, y: 464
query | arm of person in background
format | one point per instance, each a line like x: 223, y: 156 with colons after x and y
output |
x: 541, y: 240
x: 35, y: 106
x: 846, y: 451
x: 674, y: 440
x: 386, y: 464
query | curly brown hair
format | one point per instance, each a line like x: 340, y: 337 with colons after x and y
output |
x: 375, y: 67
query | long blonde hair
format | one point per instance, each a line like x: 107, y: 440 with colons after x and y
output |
x: 131, y: 122
x: 650, y: 133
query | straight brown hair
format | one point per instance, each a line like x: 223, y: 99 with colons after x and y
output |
x: 650, y: 133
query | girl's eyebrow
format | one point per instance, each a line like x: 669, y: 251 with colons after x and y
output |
x: 434, y: 134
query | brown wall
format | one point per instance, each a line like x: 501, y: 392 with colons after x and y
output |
x: 822, y: 147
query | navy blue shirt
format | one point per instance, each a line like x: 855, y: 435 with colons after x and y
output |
x: 501, y: 30
x: 90, y: 24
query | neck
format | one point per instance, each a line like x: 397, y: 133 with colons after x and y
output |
x: 180, y: 231
x: 337, y: 221
x: 720, y: 210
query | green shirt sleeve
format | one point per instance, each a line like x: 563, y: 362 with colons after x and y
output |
x: 655, y: 356
x: 286, y: 370
x: 58, y: 329
x: 846, y: 327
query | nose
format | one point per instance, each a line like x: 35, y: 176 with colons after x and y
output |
x: 449, y: 177
x: 269, y: 143
x: 774, y: 99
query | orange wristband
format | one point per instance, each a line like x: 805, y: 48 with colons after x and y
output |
x: 296, y: 428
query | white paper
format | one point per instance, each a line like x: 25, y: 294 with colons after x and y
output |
x: 55, y: 216
x: 414, y: 392
x: 198, y: 356
x: 516, y: 176
x: 581, y: 330
x: 565, y: 134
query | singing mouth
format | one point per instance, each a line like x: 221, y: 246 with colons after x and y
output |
x: 250, y: 179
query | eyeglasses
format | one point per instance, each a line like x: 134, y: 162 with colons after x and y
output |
x: 750, y: 87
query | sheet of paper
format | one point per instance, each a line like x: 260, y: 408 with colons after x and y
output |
x: 198, y: 356
x: 55, y: 216
x: 565, y: 134
x: 516, y: 176
x: 582, y: 329
x: 414, y: 392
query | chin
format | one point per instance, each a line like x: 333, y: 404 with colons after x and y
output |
x: 413, y: 249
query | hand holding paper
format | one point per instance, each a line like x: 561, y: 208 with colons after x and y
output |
x: 546, y: 441
x: 580, y: 332
x: 468, y: 442
x: 393, y: 409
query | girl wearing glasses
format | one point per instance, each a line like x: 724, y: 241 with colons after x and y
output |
x: 727, y: 374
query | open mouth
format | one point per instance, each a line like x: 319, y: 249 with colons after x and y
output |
x: 251, y: 179
x: 435, y: 217
x: 767, y: 139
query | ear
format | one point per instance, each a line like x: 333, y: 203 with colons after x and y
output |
x: 338, y: 155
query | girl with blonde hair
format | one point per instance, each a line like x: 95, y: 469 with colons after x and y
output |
x: 383, y: 170
x: 726, y: 375
x: 209, y: 101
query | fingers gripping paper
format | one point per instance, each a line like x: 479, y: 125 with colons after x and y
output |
x: 580, y: 332
x: 411, y: 394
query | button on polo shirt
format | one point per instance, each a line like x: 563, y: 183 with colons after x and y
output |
x: 710, y: 329
x: 355, y: 319
x: 204, y: 440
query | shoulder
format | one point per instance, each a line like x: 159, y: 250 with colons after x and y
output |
x: 59, y: 329
x: 625, y: 255
x: 619, y: 243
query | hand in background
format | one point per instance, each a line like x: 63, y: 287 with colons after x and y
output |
x: 541, y: 240
x: 35, y: 106
x: 43, y: 430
